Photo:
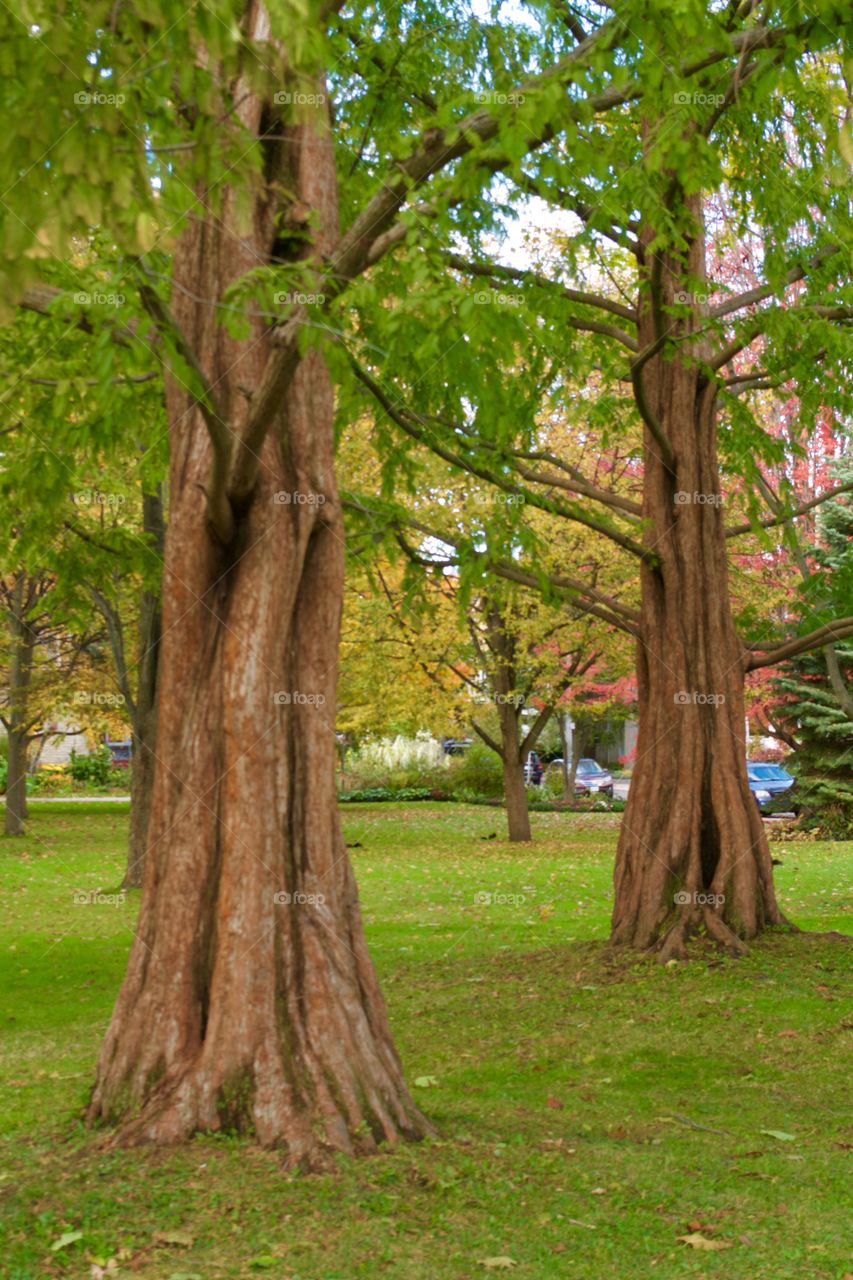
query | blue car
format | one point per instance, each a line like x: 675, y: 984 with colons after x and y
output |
x: 771, y: 785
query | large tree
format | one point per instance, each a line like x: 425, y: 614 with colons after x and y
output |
x: 250, y: 1000
x: 658, y: 332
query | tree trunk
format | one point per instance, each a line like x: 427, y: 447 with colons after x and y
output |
x: 145, y: 706
x: 515, y: 793
x: 692, y: 851
x: 16, y: 782
x: 567, y: 745
x: 250, y: 1002
x: 17, y: 721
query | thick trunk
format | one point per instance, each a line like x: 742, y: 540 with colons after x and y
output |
x: 145, y: 706
x: 692, y: 851
x: 250, y: 1002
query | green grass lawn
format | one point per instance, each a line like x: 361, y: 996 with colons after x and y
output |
x: 591, y: 1108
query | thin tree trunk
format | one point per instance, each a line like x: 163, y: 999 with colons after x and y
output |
x: 17, y: 720
x: 577, y: 752
x: 145, y: 705
x: 16, y: 782
x: 565, y: 767
x: 250, y: 1002
x: 515, y: 792
x: 692, y: 852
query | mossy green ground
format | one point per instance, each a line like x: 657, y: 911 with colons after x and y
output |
x: 591, y: 1108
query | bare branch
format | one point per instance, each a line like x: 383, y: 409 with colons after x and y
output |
x: 494, y: 269
x: 839, y: 629
x: 781, y: 517
x: 416, y: 427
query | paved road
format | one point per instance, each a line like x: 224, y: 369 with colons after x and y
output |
x: 72, y: 799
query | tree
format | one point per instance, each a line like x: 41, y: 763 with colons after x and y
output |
x: 518, y: 649
x: 248, y: 1015
x: 42, y: 653
x: 640, y: 175
x: 811, y: 705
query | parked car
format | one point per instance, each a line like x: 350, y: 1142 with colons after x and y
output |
x: 456, y: 746
x: 120, y: 751
x: 534, y: 769
x: 590, y: 777
x: 773, y: 787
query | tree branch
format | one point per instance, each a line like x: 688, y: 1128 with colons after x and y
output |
x: 839, y: 629
x: 781, y: 517
x: 492, y: 269
x: 416, y: 426
x: 488, y: 739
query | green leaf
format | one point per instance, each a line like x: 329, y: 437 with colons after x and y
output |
x: 66, y: 1239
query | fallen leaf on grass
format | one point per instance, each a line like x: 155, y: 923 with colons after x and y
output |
x: 264, y: 1262
x: 502, y: 1263
x: 790, y: 1034
x: 598, y: 1191
x: 554, y: 1103
x: 67, y: 1238
x: 697, y: 1241
x: 425, y: 1082
x: 779, y: 1135
x: 178, y: 1238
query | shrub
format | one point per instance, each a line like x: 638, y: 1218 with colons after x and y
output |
x: 477, y: 772
x: 95, y: 768
x: 373, y: 795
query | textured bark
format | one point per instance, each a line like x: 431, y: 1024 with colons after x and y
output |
x: 250, y: 1002
x: 692, y: 852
